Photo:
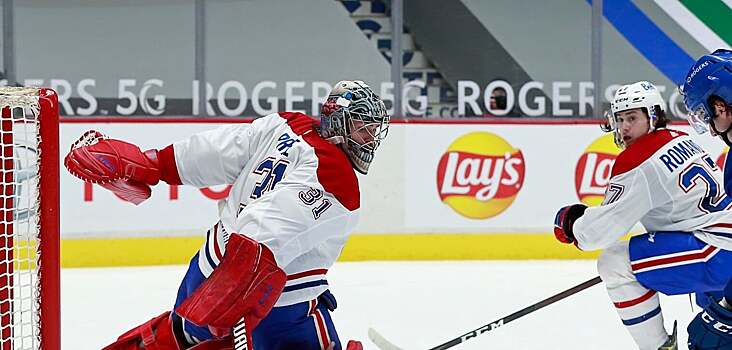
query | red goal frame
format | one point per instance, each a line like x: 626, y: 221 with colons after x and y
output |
x: 48, y: 250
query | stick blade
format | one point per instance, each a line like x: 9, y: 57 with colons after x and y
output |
x: 381, y: 342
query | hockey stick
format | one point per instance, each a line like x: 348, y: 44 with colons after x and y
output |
x: 384, y: 344
x: 240, y: 335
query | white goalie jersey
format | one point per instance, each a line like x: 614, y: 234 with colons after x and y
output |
x: 666, y: 182
x: 291, y: 191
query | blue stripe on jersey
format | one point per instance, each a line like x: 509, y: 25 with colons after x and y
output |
x: 727, y: 235
x: 642, y: 318
x: 205, y: 250
x: 304, y: 285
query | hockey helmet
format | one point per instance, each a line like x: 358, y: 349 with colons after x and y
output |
x: 641, y: 94
x: 710, y: 75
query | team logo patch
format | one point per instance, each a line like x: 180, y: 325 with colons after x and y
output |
x: 480, y: 175
x: 592, y: 173
x: 722, y: 157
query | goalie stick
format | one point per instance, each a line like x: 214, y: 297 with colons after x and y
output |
x: 240, y: 335
x: 384, y: 344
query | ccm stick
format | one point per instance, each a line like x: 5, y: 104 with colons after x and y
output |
x: 384, y: 344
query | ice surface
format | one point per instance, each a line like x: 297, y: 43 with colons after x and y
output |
x: 416, y: 305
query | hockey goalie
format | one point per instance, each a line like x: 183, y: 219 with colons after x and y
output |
x: 259, y: 280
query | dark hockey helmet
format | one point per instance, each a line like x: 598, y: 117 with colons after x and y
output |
x: 711, y: 75
x: 354, y: 117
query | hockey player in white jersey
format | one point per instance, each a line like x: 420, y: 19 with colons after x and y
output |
x: 707, y: 92
x: 260, y: 276
x: 669, y: 184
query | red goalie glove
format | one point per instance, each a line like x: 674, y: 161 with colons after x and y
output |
x: 118, y: 166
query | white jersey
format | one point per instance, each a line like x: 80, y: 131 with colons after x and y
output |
x: 666, y: 182
x: 291, y: 190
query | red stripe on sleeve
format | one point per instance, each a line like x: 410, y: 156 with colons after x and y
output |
x: 720, y: 225
x: 295, y: 276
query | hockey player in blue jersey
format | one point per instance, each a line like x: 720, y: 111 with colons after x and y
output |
x: 707, y: 91
x: 671, y: 185
x: 260, y: 276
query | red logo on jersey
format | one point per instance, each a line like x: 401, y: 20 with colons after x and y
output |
x: 480, y: 174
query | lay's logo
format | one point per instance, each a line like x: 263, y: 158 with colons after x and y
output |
x: 480, y: 174
x: 592, y: 173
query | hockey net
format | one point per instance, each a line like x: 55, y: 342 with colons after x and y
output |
x: 29, y: 210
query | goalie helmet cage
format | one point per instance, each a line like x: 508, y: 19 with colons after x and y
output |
x: 30, y: 301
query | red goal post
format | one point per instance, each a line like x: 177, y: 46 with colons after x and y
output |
x: 30, y: 228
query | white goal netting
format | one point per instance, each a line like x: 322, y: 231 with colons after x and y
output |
x: 22, y: 249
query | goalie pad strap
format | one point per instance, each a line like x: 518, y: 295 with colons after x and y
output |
x: 246, y: 284
x: 156, y: 334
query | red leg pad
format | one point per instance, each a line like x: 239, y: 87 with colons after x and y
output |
x: 246, y: 284
x: 156, y: 334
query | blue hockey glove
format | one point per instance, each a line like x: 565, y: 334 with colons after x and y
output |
x: 711, y: 329
x: 328, y: 300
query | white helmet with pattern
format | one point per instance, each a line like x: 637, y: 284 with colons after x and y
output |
x: 641, y: 94
x: 353, y: 108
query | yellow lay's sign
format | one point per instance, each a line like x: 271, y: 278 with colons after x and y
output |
x: 480, y: 174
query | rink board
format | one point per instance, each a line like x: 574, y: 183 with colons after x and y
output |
x: 436, y: 191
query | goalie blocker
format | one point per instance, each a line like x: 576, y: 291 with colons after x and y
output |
x: 226, y: 297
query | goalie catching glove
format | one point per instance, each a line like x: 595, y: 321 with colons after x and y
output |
x: 119, y: 166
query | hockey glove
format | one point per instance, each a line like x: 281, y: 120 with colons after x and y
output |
x: 711, y: 328
x: 328, y: 300
x: 564, y: 220
x: 118, y: 166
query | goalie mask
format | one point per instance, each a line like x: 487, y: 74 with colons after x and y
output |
x: 354, y: 117
x: 642, y: 95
